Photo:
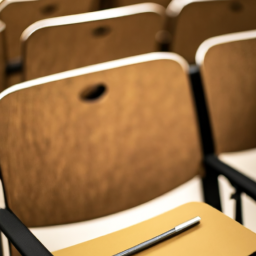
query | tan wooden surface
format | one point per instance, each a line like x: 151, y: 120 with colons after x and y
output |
x: 14, y: 78
x: 18, y: 15
x: 130, y: 2
x: 230, y: 85
x: 216, y: 234
x: 137, y: 142
x: 2, y: 58
x: 199, y: 21
x: 61, y: 48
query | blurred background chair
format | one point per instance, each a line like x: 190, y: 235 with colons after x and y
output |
x: 2, y: 57
x: 118, y: 3
x: 59, y: 44
x: 197, y: 21
x: 227, y: 64
x: 18, y: 15
x: 98, y: 140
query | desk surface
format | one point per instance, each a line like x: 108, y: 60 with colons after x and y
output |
x: 217, y: 234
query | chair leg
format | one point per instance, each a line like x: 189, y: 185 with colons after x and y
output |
x: 239, y: 215
x: 211, y: 190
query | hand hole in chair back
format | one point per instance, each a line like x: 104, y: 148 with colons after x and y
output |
x: 94, y: 92
x: 236, y: 6
x: 101, y: 31
x: 49, y: 9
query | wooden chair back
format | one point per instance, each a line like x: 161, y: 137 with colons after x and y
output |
x: 2, y: 58
x: 201, y: 20
x: 18, y: 15
x: 94, y: 141
x: 59, y: 44
x: 228, y: 69
x: 119, y: 3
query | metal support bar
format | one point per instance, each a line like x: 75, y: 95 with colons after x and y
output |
x: 202, y: 110
x: 240, y: 182
x: 237, y: 179
x: 237, y: 197
x: 20, y: 236
x: 211, y: 189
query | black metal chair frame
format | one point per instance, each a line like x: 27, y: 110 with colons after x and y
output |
x: 28, y: 245
x: 213, y: 166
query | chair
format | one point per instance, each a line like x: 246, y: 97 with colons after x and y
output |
x: 18, y: 15
x: 69, y: 42
x: 200, y: 20
x: 2, y: 58
x: 110, y: 136
x: 227, y: 65
x: 97, y: 140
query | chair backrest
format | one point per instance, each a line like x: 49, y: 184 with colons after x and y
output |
x: 2, y: 57
x: 59, y: 44
x: 201, y: 20
x: 67, y: 155
x: 228, y: 68
x: 119, y: 3
x: 18, y: 15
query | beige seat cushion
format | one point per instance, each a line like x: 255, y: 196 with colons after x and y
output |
x: 58, y: 237
x: 243, y: 161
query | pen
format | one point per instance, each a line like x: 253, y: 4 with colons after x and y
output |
x: 160, y: 238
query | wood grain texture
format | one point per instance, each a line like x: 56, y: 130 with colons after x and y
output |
x: 66, y: 160
x: 61, y: 48
x: 2, y: 58
x: 199, y: 21
x: 119, y: 3
x: 13, y: 78
x: 19, y: 15
x: 230, y: 85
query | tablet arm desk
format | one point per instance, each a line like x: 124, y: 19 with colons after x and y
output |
x: 28, y: 245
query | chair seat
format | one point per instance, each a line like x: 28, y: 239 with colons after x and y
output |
x: 245, y: 162
x: 62, y: 236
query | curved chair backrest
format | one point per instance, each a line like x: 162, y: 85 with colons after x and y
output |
x: 130, y: 2
x: 59, y: 44
x: 201, y: 20
x: 97, y: 140
x: 2, y: 57
x: 228, y: 69
x: 18, y: 15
